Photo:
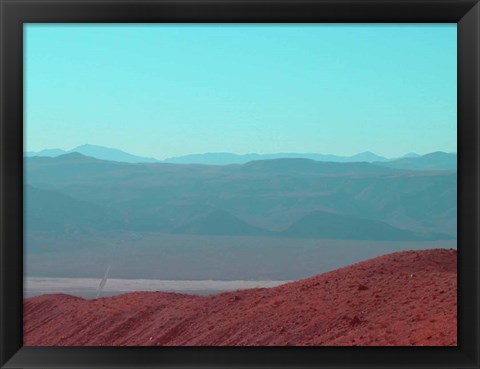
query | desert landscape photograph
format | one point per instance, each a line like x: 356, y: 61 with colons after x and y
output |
x: 240, y: 185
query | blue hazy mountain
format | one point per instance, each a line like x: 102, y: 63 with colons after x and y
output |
x: 434, y: 161
x: 47, y: 152
x: 281, y: 197
x: 218, y: 158
x: 410, y: 161
x: 292, y: 166
x: 411, y: 155
x: 99, y: 152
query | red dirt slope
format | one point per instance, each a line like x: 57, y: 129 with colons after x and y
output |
x: 406, y: 298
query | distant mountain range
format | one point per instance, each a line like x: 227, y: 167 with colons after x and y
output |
x: 99, y: 152
x: 229, y: 158
x: 433, y: 161
x: 410, y: 161
x: 215, y: 158
x: 299, y: 198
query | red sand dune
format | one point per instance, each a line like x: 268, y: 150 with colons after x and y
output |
x: 405, y: 298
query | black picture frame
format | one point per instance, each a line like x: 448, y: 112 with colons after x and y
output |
x: 14, y: 13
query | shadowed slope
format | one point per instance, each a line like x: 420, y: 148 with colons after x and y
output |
x: 406, y: 298
x: 325, y: 225
x: 219, y: 222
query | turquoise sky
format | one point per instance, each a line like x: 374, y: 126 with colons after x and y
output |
x: 170, y: 90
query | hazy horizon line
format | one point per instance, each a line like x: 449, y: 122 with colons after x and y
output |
x: 243, y: 153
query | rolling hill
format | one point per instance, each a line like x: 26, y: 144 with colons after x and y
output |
x: 220, y: 158
x: 267, y: 196
x: 400, y: 299
x: 308, y: 166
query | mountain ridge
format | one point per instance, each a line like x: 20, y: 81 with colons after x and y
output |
x: 437, y: 160
x: 96, y: 151
x: 267, y: 194
x: 222, y: 158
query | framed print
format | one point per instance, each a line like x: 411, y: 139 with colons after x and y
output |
x: 239, y: 184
